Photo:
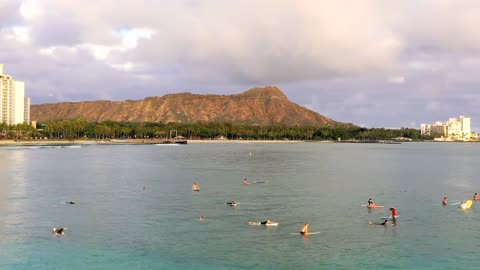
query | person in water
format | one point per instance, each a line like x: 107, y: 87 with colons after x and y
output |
x: 59, y: 231
x: 71, y: 202
x: 245, y: 181
x: 370, y: 202
x: 195, y: 186
x: 254, y: 181
x: 383, y: 223
x: 463, y: 205
x: 231, y: 203
x: 202, y: 218
x: 268, y: 221
x: 304, y: 230
x: 394, y: 215
x: 445, y: 201
x: 475, y: 196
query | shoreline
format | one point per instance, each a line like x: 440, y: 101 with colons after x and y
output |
x: 131, y: 141
x: 156, y: 141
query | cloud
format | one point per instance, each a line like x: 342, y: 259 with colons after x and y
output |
x: 347, y: 59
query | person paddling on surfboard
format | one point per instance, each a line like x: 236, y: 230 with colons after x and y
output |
x: 475, y: 196
x: 304, y: 230
x: 445, y: 201
x: 383, y: 223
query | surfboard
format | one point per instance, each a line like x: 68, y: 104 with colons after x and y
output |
x: 258, y: 223
x: 467, y: 204
x: 375, y: 206
x: 390, y: 217
x: 310, y: 233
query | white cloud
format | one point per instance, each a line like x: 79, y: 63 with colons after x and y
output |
x: 397, y: 79
x: 371, y: 47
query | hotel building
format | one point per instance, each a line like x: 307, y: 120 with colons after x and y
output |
x: 14, y: 106
x: 453, y: 129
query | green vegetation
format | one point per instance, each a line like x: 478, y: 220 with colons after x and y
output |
x: 81, y: 129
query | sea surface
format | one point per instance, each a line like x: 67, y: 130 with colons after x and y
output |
x: 136, y: 210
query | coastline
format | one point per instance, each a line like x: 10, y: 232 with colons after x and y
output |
x: 156, y: 141
x: 130, y: 141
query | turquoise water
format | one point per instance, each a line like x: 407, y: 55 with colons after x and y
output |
x: 119, y: 224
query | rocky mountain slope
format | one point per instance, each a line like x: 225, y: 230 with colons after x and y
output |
x: 260, y: 106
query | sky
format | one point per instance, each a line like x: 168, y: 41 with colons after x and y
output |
x: 374, y: 63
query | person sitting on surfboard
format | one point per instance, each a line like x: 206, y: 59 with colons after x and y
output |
x: 304, y: 230
x: 475, y: 196
x: 195, y: 186
x: 59, y: 231
x: 445, y: 201
x: 370, y: 202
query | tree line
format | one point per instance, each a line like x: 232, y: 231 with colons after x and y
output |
x: 74, y: 129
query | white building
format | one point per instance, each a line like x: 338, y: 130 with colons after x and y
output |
x: 14, y: 107
x: 453, y: 129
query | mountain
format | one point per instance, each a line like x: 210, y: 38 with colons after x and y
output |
x: 260, y: 106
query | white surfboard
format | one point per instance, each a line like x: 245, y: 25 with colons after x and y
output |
x: 390, y: 217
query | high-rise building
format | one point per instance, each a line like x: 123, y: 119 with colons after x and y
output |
x: 454, y: 129
x: 14, y: 108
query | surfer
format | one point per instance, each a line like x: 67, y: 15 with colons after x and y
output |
x: 383, y: 223
x: 71, y: 202
x: 445, y: 201
x: 195, y: 187
x: 202, y: 218
x: 463, y: 205
x: 266, y: 222
x: 394, y: 214
x: 59, y: 231
x: 475, y: 196
x: 304, y: 230
x: 370, y: 202
x: 231, y: 203
x: 245, y: 181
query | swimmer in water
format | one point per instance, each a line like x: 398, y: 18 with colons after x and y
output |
x: 202, y: 218
x: 475, y: 196
x: 195, y: 187
x: 71, y: 202
x: 59, y: 231
x: 231, y: 203
x: 445, y: 201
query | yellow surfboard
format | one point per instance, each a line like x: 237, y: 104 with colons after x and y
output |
x: 467, y: 204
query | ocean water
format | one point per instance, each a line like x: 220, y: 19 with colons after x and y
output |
x: 136, y: 209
